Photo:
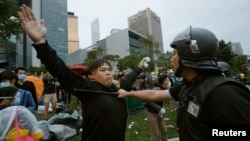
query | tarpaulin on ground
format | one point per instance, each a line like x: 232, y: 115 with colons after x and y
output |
x: 61, y: 126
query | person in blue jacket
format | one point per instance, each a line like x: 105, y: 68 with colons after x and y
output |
x: 23, y: 97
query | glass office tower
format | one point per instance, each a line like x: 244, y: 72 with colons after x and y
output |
x: 54, y: 12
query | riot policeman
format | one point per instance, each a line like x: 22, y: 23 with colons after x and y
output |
x: 206, y: 98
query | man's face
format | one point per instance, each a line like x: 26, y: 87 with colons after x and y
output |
x: 21, y: 72
x: 103, y: 75
x: 175, y: 61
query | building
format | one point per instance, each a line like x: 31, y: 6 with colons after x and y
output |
x: 56, y: 19
x: 119, y: 43
x: 146, y: 22
x: 73, y: 36
x: 236, y: 48
x: 20, y: 51
x: 54, y: 12
x: 95, y: 31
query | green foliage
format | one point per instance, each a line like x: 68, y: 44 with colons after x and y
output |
x: 130, y: 61
x: 97, y: 53
x: 32, y: 69
x: 138, y: 126
x: 9, y: 23
x: 225, y: 52
x: 150, y: 47
x: 239, y: 65
x: 92, y: 55
x: 111, y: 57
x: 164, y: 61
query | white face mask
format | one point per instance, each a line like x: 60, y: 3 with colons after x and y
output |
x: 4, y: 84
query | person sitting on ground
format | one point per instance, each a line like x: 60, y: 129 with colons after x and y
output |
x: 24, y: 84
x: 23, y: 97
x: 26, y: 120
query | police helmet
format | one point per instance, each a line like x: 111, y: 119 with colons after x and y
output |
x: 225, y: 68
x: 197, y: 48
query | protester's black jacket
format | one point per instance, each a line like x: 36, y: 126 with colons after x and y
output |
x: 104, y: 116
x: 210, y: 101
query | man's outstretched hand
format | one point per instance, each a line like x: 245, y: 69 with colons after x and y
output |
x: 122, y: 93
x: 35, y: 29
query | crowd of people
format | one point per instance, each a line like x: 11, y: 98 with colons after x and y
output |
x: 206, y: 97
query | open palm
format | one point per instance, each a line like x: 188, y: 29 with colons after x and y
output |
x: 35, y: 29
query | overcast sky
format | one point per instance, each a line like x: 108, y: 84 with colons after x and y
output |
x: 228, y: 19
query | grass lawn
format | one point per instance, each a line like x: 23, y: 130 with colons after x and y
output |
x: 137, y: 125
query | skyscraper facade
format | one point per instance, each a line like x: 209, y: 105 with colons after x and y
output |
x: 146, y: 22
x: 73, y: 36
x: 55, y: 17
x: 54, y: 12
x: 95, y: 31
x: 236, y: 48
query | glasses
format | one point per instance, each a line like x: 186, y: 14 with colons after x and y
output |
x: 5, y: 97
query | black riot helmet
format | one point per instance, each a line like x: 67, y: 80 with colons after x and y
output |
x: 197, y: 48
x: 225, y: 68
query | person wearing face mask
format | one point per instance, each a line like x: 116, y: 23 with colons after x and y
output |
x: 23, y: 97
x: 156, y: 111
x: 25, y: 119
x: 25, y: 84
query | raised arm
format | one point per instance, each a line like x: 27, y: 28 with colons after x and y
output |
x: 35, y: 29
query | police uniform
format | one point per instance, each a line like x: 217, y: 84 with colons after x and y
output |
x: 210, y: 100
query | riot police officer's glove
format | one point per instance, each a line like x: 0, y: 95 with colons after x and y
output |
x: 162, y: 112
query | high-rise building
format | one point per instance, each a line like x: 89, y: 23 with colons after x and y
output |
x: 120, y: 43
x: 54, y: 12
x: 56, y: 18
x: 73, y: 36
x: 146, y: 22
x: 95, y: 31
x: 236, y: 48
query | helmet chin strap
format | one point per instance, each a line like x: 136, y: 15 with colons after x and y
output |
x: 179, y: 70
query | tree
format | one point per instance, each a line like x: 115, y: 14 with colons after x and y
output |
x: 225, y: 52
x: 130, y: 61
x: 92, y: 55
x: 97, y: 53
x: 112, y: 59
x: 9, y: 23
x: 150, y: 47
x: 164, y: 61
x: 239, y: 65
